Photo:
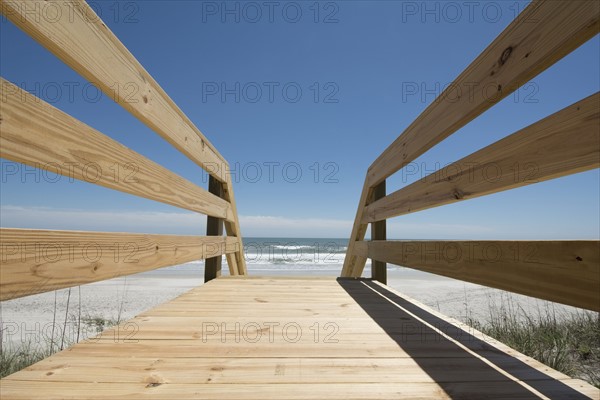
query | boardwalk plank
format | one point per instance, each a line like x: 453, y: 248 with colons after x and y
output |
x: 261, y: 344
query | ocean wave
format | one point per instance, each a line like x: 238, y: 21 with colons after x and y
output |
x: 293, y: 247
x: 294, y: 267
x: 284, y: 261
x: 258, y: 267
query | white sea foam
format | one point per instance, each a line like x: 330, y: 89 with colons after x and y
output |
x: 292, y: 247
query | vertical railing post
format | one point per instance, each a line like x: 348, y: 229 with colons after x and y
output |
x: 236, y: 261
x: 354, y: 264
x: 378, y: 232
x: 214, y: 227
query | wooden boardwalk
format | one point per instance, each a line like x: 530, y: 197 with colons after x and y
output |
x: 284, y: 338
x: 292, y: 338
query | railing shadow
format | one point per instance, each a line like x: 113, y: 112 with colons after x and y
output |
x: 437, y: 355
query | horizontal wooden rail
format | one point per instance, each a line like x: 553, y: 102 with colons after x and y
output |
x: 567, y: 272
x: 38, y: 134
x: 541, y: 35
x: 37, y: 261
x: 561, y: 144
x: 77, y: 36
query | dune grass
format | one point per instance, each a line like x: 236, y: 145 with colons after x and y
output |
x: 15, y: 358
x: 60, y: 334
x: 568, y: 343
x: 19, y: 355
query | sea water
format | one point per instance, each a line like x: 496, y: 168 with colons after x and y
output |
x: 296, y: 256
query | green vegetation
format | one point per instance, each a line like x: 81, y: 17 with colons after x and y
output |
x: 568, y: 343
x: 59, y: 335
x: 14, y: 357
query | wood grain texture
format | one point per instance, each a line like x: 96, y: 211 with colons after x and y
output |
x: 37, y: 261
x: 566, y: 272
x: 379, y: 232
x: 76, y: 35
x: 354, y: 264
x: 236, y: 260
x: 384, y: 346
x: 244, y: 370
x: 542, y: 34
x: 37, y: 134
x: 564, y: 143
x: 214, y: 227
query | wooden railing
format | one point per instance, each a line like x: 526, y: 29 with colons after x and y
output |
x: 37, y: 134
x: 564, y: 143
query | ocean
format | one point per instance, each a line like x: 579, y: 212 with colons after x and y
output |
x: 296, y: 256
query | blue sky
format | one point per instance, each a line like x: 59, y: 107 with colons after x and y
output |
x: 340, y: 80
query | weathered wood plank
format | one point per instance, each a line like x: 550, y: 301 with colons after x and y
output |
x: 566, y: 272
x: 353, y: 264
x: 236, y: 260
x: 167, y: 356
x: 501, y: 355
x: 564, y: 143
x: 378, y: 232
x: 542, y: 34
x: 157, y: 390
x: 243, y: 370
x: 252, y: 370
x: 37, y: 261
x: 80, y: 38
x: 37, y: 134
x: 214, y: 227
x: 12, y: 389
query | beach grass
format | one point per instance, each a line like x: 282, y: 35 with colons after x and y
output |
x: 569, y: 343
x: 62, y: 333
x: 16, y: 356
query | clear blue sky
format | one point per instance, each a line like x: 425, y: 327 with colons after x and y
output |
x: 362, y: 56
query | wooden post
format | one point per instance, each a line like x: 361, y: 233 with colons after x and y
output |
x: 378, y: 232
x: 353, y: 264
x: 214, y: 227
x: 236, y: 261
